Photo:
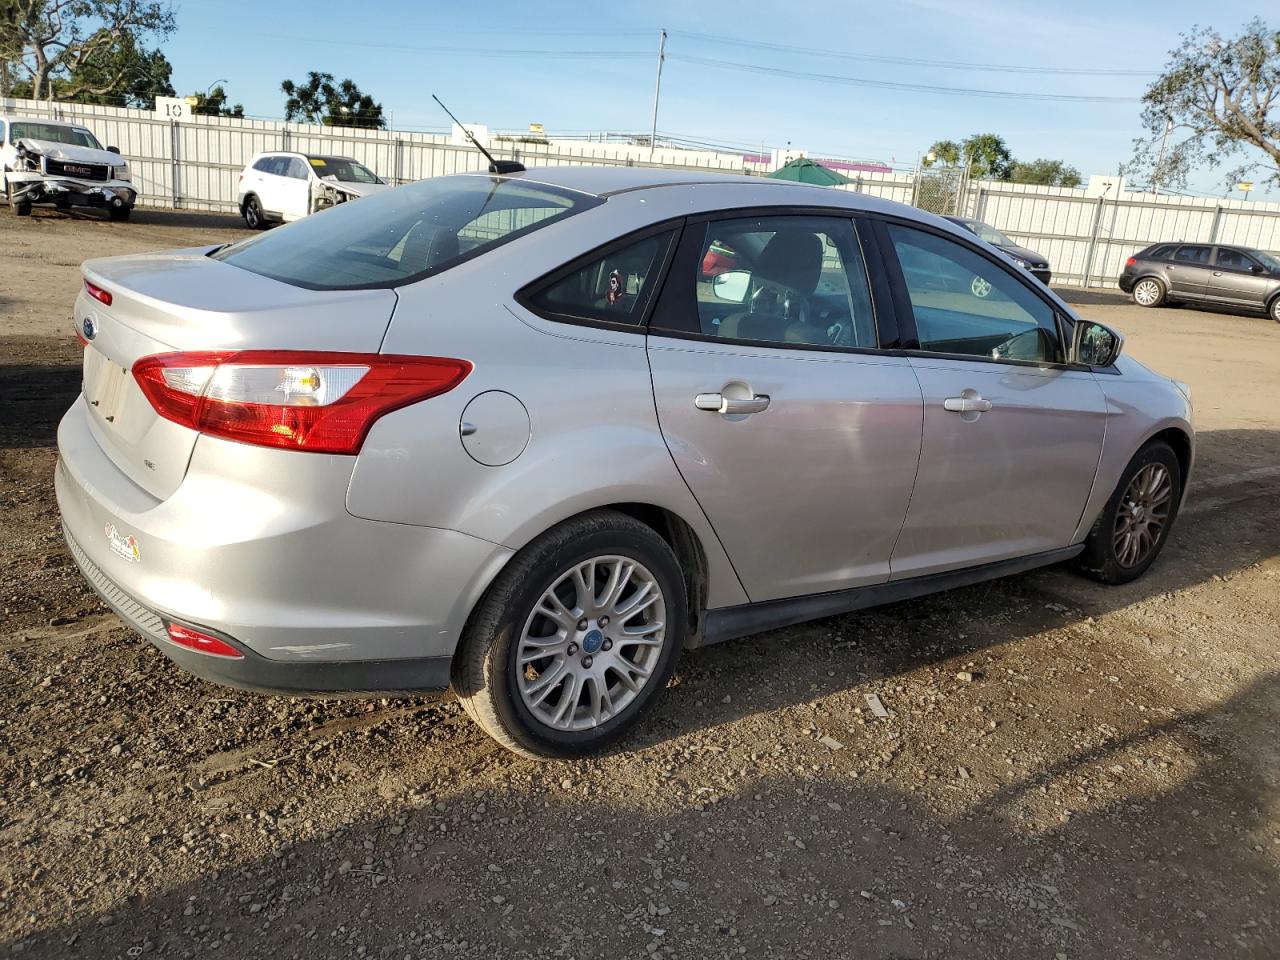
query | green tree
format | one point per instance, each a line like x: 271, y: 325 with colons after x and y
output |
x: 214, y: 104
x: 1052, y: 173
x: 318, y: 100
x: 986, y: 156
x: 87, y: 48
x: 946, y: 152
x: 1217, y: 99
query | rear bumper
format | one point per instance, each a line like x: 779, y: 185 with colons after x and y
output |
x: 257, y: 673
x: 1125, y: 282
x: 256, y: 546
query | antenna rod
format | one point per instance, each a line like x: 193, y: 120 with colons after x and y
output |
x: 657, y: 89
x: 493, y: 164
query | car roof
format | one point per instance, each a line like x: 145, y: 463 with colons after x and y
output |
x: 604, y: 182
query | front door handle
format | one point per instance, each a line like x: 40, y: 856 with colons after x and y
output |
x: 1217, y: 273
x: 966, y: 405
x: 719, y: 403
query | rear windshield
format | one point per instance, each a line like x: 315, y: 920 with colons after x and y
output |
x: 342, y: 169
x: 399, y: 236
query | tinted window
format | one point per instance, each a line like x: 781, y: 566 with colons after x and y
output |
x: 965, y: 304
x: 613, y: 288
x: 795, y: 280
x: 398, y: 236
x: 296, y: 168
x: 266, y: 164
x: 1233, y: 259
x: 1161, y: 252
x: 1192, y: 255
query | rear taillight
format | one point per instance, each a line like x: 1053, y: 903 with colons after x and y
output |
x: 95, y: 291
x: 1131, y: 262
x: 202, y: 642
x: 317, y: 402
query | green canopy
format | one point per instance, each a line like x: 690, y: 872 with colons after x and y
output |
x: 804, y: 170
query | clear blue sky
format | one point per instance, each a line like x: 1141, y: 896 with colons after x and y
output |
x: 605, y: 80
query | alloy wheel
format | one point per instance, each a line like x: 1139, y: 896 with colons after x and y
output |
x: 251, y: 213
x: 1143, y: 515
x: 591, y: 644
x: 1147, y: 293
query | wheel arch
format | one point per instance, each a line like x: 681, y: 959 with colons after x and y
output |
x: 1180, y: 441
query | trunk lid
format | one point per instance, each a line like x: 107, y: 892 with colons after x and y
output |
x: 184, y: 301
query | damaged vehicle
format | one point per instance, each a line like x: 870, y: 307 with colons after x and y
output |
x: 280, y: 187
x: 60, y: 163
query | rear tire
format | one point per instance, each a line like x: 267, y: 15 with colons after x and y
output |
x: 1125, y: 540
x: 526, y: 646
x: 252, y: 213
x: 1149, y: 292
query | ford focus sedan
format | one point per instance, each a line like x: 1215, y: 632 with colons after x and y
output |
x: 522, y: 435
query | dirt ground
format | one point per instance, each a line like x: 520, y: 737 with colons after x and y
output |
x: 1107, y: 784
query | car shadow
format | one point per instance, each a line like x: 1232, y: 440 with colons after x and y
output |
x: 34, y: 396
x: 1140, y: 841
x: 189, y: 219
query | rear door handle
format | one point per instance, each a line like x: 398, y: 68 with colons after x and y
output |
x: 966, y: 405
x: 718, y: 403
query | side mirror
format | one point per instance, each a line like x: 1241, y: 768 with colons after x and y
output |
x: 731, y: 285
x: 1095, y: 345
x: 1257, y: 268
x: 115, y: 150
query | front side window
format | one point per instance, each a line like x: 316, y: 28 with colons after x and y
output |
x: 398, y: 236
x: 55, y: 132
x: 296, y: 169
x: 612, y: 289
x: 1192, y: 255
x: 966, y: 305
x: 789, y: 280
x: 1233, y: 259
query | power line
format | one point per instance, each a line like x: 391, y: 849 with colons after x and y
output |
x: 896, y: 85
x: 470, y: 51
x: 914, y: 61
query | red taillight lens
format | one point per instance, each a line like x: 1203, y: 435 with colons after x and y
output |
x: 317, y: 402
x: 202, y: 642
x: 102, y: 296
x: 1132, y: 261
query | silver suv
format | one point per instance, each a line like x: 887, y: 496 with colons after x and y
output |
x: 533, y: 435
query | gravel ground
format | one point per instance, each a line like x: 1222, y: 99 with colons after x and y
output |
x: 1066, y: 770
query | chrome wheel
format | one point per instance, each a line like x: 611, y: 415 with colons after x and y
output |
x: 1143, y: 515
x: 980, y: 286
x: 591, y: 644
x: 1147, y: 293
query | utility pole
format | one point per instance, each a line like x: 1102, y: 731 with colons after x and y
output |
x: 657, y: 89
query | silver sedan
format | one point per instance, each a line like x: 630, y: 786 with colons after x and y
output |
x: 533, y: 434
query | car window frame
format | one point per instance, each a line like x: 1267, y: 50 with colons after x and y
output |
x: 1064, y: 324
x: 526, y: 294
x: 674, y: 311
x: 1238, y: 252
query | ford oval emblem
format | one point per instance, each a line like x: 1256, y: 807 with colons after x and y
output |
x: 90, y: 328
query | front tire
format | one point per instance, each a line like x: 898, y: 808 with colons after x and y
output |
x: 1148, y: 292
x: 1274, y: 312
x: 1135, y: 524
x: 119, y: 214
x: 575, y: 639
x: 20, y: 208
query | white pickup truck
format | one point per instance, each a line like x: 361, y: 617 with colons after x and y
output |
x: 51, y: 161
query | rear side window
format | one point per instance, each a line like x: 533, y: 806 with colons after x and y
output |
x: 1192, y: 255
x: 402, y: 235
x: 265, y: 164
x: 613, y: 288
x: 1162, y: 252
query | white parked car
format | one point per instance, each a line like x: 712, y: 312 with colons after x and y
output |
x: 289, y: 186
x: 51, y: 161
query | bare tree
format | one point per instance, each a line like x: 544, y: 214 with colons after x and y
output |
x: 1218, y: 99
x: 66, y: 38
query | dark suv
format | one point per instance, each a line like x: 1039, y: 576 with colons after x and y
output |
x: 1204, y: 273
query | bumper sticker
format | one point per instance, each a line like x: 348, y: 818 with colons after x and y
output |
x: 122, y: 546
